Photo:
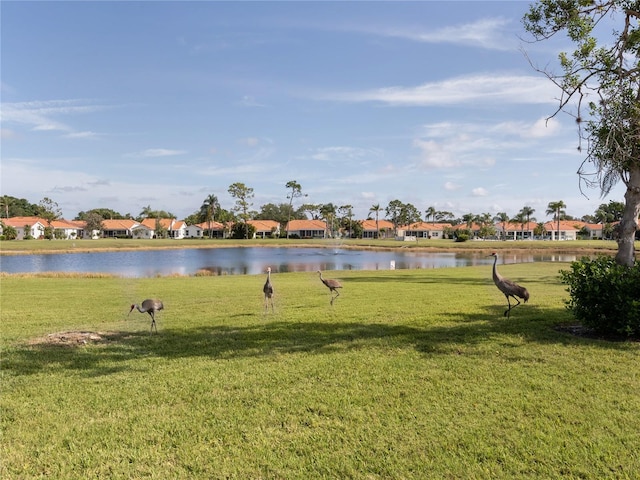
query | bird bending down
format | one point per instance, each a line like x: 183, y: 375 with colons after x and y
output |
x: 509, y: 288
x: 332, y: 285
x: 150, y: 306
x: 268, y: 291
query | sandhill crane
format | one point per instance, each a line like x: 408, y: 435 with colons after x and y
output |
x: 332, y: 285
x: 509, y: 288
x: 268, y: 291
x: 150, y: 306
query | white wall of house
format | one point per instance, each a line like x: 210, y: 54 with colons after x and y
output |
x: 36, y: 230
x: 178, y: 233
x: 194, y: 231
x: 142, y: 232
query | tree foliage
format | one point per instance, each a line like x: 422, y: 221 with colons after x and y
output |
x: 49, y: 210
x: 105, y: 213
x: 93, y: 222
x: 17, y: 207
x: 148, y: 212
x: 243, y: 195
x: 600, y: 86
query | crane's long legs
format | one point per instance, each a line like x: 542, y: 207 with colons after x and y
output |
x: 266, y: 305
x: 334, y: 297
x: 153, y: 323
x: 508, y: 311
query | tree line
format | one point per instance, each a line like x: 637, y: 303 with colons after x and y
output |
x: 337, y: 218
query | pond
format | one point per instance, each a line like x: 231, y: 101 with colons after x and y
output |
x: 252, y: 260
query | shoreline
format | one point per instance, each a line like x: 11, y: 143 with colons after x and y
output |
x: 466, y: 247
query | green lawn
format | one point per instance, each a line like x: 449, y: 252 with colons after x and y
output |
x: 411, y: 374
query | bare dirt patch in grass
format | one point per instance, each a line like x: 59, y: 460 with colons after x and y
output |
x: 75, y: 338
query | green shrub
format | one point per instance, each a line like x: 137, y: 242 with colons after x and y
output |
x: 604, y: 296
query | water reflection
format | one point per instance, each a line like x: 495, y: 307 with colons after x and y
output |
x: 253, y: 260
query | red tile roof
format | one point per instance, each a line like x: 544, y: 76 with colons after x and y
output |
x: 370, y: 225
x: 264, y: 225
x: 295, y: 225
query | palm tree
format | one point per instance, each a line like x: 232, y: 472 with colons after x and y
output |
x: 527, y: 212
x: 503, y: 218
x: 556, y: 209
x: 520, y: 219
x: 328, y: 213
x: 431, y: 212
x: 208, y: 210
x: 376, y: 209
x: 296, y: 192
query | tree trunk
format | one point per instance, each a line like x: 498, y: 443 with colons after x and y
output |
x: 629, y: 222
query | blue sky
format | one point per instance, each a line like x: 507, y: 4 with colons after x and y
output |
x: 126, y: 104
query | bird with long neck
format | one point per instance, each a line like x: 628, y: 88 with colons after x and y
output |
x: 268, y: 291
x: 509, y: 288
x: 332, y: 285
x: 150, y: 306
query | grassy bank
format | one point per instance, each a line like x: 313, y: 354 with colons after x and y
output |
x: 412, y: 374
x: 16, y: 247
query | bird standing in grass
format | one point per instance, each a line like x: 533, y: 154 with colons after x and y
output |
x: 332, y: 285
x: 509, y: 288
x: 150, y: 306
x: 268, y: 291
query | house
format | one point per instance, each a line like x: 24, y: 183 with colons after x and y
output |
x: 34, y: 227
x: 515, y: 231
x: 194, y: 231
x: 568, y: 229
x: 218, y: 230
x: 68, y: 229
x: 383, y: 229
x: 149, y: 227
x: 425, y: 230
x: 265, y: 228
x: 596, y: 230
x: 122, y: 228
x: 307, y: 228
x: 29, y: 227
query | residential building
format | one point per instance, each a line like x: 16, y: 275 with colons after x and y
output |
x: 25, y: 226
x: 568, y: 229
x: 383, y: 229
x: 515, y: 231
x: 307, y: 228
x: 424, y: 230
x: 265, y: 228
x: 148, y: 228
x: 120, y: 228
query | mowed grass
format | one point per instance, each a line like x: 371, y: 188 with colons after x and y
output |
x: 411, y: 374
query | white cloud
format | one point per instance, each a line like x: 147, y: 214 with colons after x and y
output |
x: 541, y: 128
x: 451, y: 186
x: 81, y: 135
x: 480, y: 88
x: 435, y: 155
x: 157, y: 152
x: 249, y: 101
x: 341, y: 153
x: 39, y: 114
x: 483, y: 33
x: 479, y: 192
